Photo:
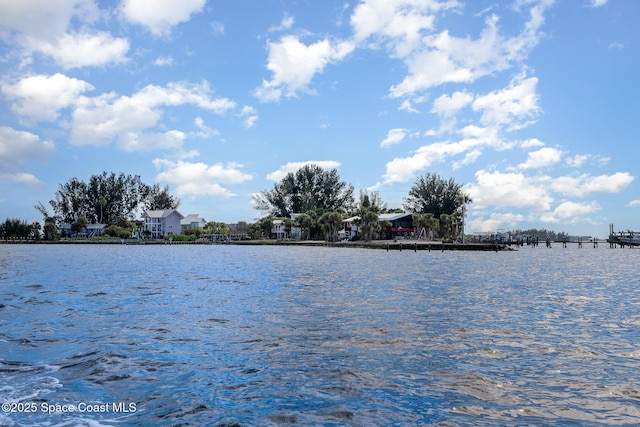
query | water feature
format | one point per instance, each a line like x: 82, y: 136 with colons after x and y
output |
x: 118, y: 335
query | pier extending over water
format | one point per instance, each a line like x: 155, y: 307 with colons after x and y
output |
x: 623, y: 238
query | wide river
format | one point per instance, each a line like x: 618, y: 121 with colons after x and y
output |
x: 181, y: 335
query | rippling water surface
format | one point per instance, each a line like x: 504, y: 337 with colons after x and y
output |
x: 278, y: 336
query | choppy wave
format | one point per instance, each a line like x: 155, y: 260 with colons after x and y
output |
x: 245, y: 336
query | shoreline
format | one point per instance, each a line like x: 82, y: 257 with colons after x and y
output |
x: 399, y: 245
x: 407, y: 245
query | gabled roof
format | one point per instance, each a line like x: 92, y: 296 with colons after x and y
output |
x: 191, y: 218
x: 164, y: 213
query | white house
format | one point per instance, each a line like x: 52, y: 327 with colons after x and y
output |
x: 161, y: 223
x: 278, y: 229
x: 192, y: 221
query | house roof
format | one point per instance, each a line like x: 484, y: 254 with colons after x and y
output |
x: 164, y: 213
x: 96, y: 226
x: 190, y: 219
x: 394, y: 216
x: 387, y: 216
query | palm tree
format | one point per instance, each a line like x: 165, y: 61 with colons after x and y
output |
x: 425, y: 222
x: 449, y: 225
x: 384, y: 225
x: 103, y: 203
x: 330, y: 223
x: 305, y: 222
x: 368, y: 221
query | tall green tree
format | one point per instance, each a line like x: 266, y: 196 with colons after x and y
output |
x: 262, y: 228
x: 371, y: 199
x: 35, y: 230
x: 240, y: 228
x: 14, y: 228
x: 157, y: 198
x: 79, y: 224
x: 432, y: 194
x: 50, y: 229
x: 309, y: 188
x: 213, y: 227
x: 106, y: 198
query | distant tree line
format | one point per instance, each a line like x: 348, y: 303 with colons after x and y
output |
x: 541, y: 234
x: 14, y: 228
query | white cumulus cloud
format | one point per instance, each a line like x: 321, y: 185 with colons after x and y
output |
x: 19, y: 148
x: 106, y: 118
x: 394, y: 136
x: 516, y: 102
x: 569, y: 212
x: 200, y: 179
x: 294, y: 64
x: 448, y: 106
x: 41, y: 97
x: 586, y: 184
x: 495, y: 221
x: 82, y: 50
x: 160, y: 16
x: 543, y: 157
x: 493, y: 188
x: 47, y: 27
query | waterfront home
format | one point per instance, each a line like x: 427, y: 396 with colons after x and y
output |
x: 161, y: 223
x: 65, y: 229
x: 350, y: 228
x: 278, y: 229
x: 296, y: 232
x: 93, y: 230
x: 401, y: 225
x: 192, y: 221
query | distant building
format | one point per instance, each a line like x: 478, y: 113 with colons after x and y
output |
x: 192, y: 221
x: 401, y: 225
x: 93, y: 230
x: 296, y: 232
x: 350, y: 229
x: 278, y: 229
x: 65, y: 229
x: 161, y: 223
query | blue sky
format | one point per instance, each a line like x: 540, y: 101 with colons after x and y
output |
x: 531, y: 104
